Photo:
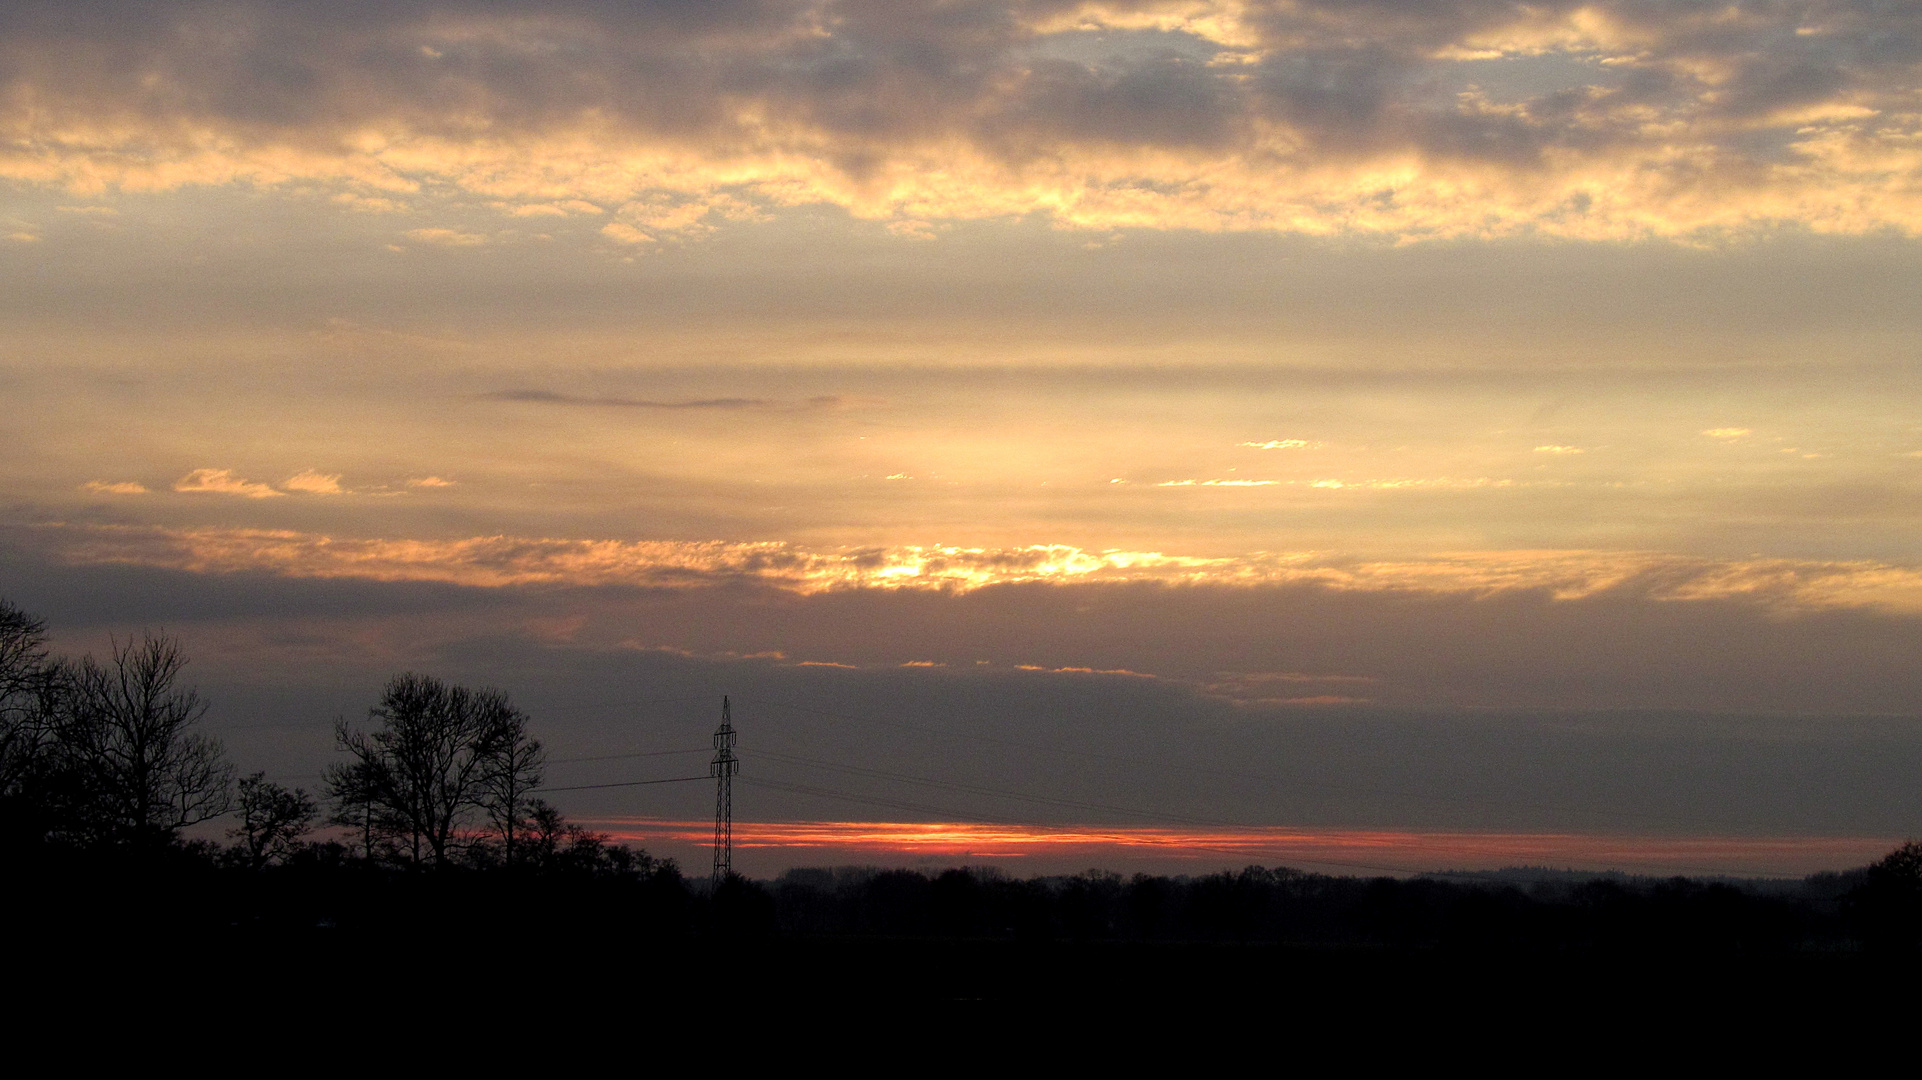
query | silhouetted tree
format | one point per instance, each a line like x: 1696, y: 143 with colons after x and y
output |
x: 1901, y: 868
x: 553, y: 843
x: 1887, y: 906
x: 23, y: 657
x: 131, y: 768
x: 24, y: 730
x: 272, y: 819
x: 512, y: 764
x: 350, y: 787
x: 426, y: 771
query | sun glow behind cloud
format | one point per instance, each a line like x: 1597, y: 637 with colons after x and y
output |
x: 503, y: 561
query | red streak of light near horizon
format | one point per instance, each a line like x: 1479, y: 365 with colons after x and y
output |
x: 1390, y: 849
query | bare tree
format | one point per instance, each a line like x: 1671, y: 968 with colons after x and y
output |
x: 28, y: 811
x: 441, y: 756
x: 272, y: 819
x: 137, y: 772
x: 23, y: 675
x: 23, y: 653
x: 512, y: 770
x: 351, y: 787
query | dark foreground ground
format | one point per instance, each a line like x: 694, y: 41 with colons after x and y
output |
x: 1601, y: 969
x: 973, y: 1002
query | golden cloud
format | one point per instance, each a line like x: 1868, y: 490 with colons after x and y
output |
x: 446, y: 237
x: 312, y: 482
x: 114, y: 487
x: 1405, y: 120
x: 507, y: 561
x: 223, y: 482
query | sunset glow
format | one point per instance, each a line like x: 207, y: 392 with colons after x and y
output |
x: 770, y: 846
x: 1425, y: 433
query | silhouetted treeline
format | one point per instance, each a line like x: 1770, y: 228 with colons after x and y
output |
x: 437, y: 834
x: 1285, y: 906
x: 330, y: 891
x: 102, y: 763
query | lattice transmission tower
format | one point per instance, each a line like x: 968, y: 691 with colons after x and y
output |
x: 722, y: 769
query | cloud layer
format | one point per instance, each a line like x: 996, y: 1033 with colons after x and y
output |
x: 1607, y: 119
x: 505, y: 561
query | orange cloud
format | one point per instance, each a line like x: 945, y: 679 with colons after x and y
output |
x: 223, y: 482
x: 499, y: 561
x: 446, y: 237
x: 312, y: 482
x: 116, y: 487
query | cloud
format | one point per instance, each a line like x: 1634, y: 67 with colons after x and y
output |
x: 624, y: 233
x: 1727, y: 432
x: 1220, y: 483
x: 1559, y: 449
x: 446, y: 237
x: 114, y: 487
x: 1588, y: 119
x: 311, y: 482
x: 431, y: 482
x: 223, y: 482
x: 549, y: 397
x: 560, y: 209
x: 1446, y: 483
x: 1513, y: 629
x: 510, y: 561
x: 1281, y: 444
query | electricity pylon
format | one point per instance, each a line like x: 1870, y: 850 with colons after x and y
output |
x: 722, y: 769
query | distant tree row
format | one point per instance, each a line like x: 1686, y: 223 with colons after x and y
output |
x: 1878, y: 908
x: 107, y: 754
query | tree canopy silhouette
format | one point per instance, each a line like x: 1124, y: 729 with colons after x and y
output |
x: 272, y: 820
x: 441, y: 757
x: 24, y: 731
x: 128, y: 766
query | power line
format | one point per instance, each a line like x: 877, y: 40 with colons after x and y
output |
x: 1117, y: 838
x: 1133, y: 811
x: 725, y: 765
x: 615, y: 757
x: 951, y: 785
x: 553, y: 761
x: 580, y: 706
x: 624, y: 783
x: 1456, y: 800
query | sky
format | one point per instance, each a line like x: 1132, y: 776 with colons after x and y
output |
x: 1366, y: 418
